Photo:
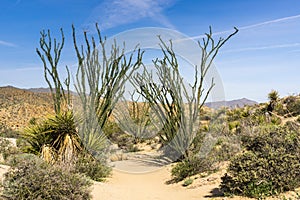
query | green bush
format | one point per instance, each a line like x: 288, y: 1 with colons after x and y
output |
x: 269, y: 165
x: 7, y: 149
x: 234, y: 126
x: 91, y: 167
x: 31, y: 178
x: 187, y: 182
x: 223, y: 148
x: 190, y: 167
x: 275, y: 120
x: 293, y: 105
x: 8, y: 132
x: 292, y: 125
x: 117, y: 136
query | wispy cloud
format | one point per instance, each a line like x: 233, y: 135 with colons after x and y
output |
x: 112, y: 13
x: 270, y: 22
x: 17, y: 2
x: 29, y: 69
x: 263, y: 47
x: 8, y: 44
x: 261, y: 24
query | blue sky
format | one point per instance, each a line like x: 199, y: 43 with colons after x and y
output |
x: 264, y: 55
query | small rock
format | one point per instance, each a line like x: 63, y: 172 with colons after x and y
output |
x: 118, y: 157
x: 211, y: 178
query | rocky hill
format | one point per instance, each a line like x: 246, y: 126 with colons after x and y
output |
x: 18, y: 106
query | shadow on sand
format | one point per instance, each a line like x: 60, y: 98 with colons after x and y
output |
x: 216, y: 192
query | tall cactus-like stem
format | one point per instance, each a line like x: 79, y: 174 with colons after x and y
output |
x: 100, y: 80
x: 50, y: 53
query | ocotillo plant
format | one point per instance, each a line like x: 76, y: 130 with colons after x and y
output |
x: 49, y: 53
x: 176, y: 105
x: 100, y: 80
x: 134, y: 117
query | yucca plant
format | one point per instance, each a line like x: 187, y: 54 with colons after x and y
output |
x: 54, y: 138
x: 273, y: 96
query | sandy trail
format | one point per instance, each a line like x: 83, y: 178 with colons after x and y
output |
x: 145, y: 185
x: 123, y: 186
x: 138, y: 180
x: 149, y: 183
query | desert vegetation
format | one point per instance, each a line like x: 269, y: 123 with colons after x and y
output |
x: 32, y: 178
x: 56, y: 156
x: 268, y: 162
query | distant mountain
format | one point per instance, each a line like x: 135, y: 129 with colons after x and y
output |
x: 231, y: 104
x: 44, y: 90
x: 39, y: 90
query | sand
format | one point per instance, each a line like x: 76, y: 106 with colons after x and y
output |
x: 131, y: 180
x: 143, y: 186
x: 136, y: 180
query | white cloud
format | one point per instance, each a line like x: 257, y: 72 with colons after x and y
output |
x: 261, y: 24
x: 8, y: 44
x: 112, y: 13
x: 263, y: 47
x: 29, y: 69
x: 270, y: 22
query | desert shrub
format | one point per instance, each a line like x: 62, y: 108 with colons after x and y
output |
x: 95, y: 169
x: 204, y: 157
x: 234, y: 126
x: 117, y: 136
x: 225, y: 148
x: 187, y: 182
x: 198, y: 141
x: 280, y: 108
x: 132, y: 148
x: 8, y: 132
x: 293, y: 105
x: 111, y: 130
x: 7, y: 149
x: 189, y: 167
x: 219, y: 127
x: 234, y: 114
x: 292, y: 125
x: 270, y: 165
x: 124, y: 141
x: 275, y: 120
x: 205, y: 117
x: 32, y: 178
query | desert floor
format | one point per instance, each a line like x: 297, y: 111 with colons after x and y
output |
x: 127, y: 184
x: 134, y: 180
